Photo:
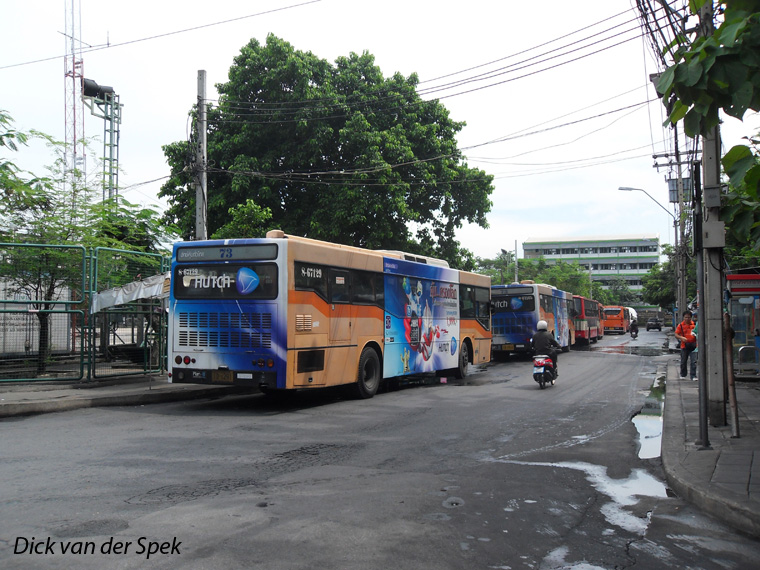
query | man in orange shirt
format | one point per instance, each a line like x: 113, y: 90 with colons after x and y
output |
x: 684, y: 333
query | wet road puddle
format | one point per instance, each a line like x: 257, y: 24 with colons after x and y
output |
x: 628, y: 349
x: 648, y: 421
x: 622, y: 492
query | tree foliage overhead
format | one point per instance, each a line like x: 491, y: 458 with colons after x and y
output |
x: 716, y: 72
x: 334, y: 152
x: 659, y: 284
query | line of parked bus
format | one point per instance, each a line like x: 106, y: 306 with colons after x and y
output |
x: 283, y: 312
x: 575, y: 320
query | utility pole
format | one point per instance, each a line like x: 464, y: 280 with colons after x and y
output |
x: 201, y: 190
x: 682, y: 300
x: 713, y: 236
x: 516, y: 281
x: 704, y: 411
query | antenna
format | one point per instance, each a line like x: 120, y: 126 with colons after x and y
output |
x: 74, y: 150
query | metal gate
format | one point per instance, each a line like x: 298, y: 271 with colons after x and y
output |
x: 129, y: 336
x: 50, y: 326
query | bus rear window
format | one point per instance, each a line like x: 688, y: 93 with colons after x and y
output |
x: 515, y: 303
x: 242, y: 282
x: 613, y: 312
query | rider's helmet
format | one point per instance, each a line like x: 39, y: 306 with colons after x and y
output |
x: 542, y: 325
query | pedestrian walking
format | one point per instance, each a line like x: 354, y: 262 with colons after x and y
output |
x: 685, y: 333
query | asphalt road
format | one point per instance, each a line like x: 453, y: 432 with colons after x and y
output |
x: 493, y: 473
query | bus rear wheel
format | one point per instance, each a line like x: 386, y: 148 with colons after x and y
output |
x: 464, y: 362
x: 369, y: 375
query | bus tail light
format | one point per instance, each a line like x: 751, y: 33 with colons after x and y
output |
x: 186, y: 360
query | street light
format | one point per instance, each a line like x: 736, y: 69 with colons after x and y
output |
x: 671, y: 214
x: 680, y: 271
x: 629, y: 189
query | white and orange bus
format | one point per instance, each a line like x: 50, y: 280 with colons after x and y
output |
x: 284, y: 313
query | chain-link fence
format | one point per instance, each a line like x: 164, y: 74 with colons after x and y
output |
x: 52, y: 328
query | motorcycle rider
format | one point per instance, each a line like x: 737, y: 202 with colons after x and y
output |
x: 634, y: 328
x: 543, y: 343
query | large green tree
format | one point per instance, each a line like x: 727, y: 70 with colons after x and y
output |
x: 334, y: 152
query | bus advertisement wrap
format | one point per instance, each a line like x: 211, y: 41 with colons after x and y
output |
x: 561, y: 319
x: 421, y: 319
x: 225, y: 318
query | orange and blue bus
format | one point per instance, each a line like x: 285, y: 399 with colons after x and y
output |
x: 616, y: 319
x: 517, y: 308
x: 283, y: 313
x: 586, y: 319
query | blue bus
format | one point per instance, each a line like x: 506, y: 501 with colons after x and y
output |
x: 516, y: 309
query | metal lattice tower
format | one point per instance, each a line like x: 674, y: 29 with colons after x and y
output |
x: 74, y: 156
x: 103, y: 102
x: 112, y: 112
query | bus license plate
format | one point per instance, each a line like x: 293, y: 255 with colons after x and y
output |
x: 507, y: 346
x: 538, y: 370
x: 221, y: 376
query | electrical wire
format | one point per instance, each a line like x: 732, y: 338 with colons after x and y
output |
x: 283, y: 109
x: 164, y: 35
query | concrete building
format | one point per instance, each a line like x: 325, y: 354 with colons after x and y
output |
x: 623, y: 256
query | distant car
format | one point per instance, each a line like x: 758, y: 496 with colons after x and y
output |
x: 654, y: 324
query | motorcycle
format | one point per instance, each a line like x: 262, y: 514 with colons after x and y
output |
x: 543, y: 370
x: 634, y: 334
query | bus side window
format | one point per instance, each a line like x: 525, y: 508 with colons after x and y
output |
x: 311, y: 277
x: 483, y: 310
x: 362, y: 287
x: 339, y: 286
x: 378, y: 283
x: 467, y: 303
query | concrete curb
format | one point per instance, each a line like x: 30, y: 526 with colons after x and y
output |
x: 140, y: 397
x: 689, y: 469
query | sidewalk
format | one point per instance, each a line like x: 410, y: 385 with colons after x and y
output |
x: 18, y: 399
x: 724, y: 480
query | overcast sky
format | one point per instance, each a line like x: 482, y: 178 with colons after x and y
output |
x: 553, y: 93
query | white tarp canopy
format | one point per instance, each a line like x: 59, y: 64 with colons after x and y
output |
x: 155, y: 287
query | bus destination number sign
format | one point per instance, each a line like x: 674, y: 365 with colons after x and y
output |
x: 227, y: 252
